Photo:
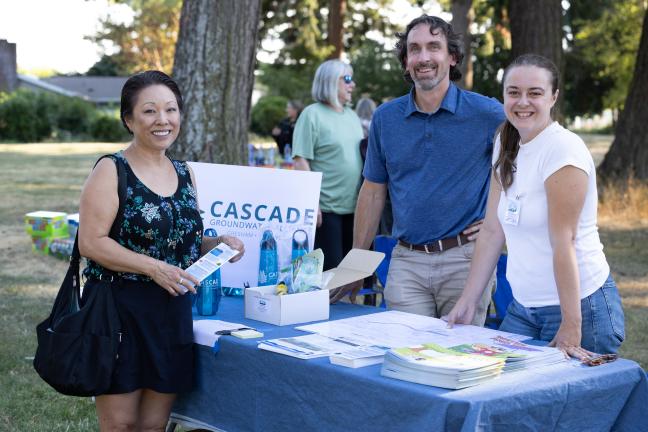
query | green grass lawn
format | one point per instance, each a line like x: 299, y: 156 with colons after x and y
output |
x: 50, y: 177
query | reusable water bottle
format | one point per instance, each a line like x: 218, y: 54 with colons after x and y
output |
x: 268, y: 263
x: 299, y: 244
x: 209, y: 291
x: 288, y: 154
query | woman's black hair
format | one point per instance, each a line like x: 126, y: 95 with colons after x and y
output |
x: 140, y: 81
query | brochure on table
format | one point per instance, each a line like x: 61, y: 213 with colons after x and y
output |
x: 395, y: 329
x: 247, y: 202
x: 262, y: 304
x: 314, y: 345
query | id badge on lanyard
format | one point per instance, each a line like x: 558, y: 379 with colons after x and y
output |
x: 513, y: 207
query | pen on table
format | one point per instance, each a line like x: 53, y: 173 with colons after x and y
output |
x: 229, y: 332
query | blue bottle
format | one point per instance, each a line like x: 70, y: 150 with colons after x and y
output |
x: 299, y: 244
x: 268, y: 263
x: 209, y: 291
x: 288, y: 154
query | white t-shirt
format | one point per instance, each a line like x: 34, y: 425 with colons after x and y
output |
x: 530, y: 256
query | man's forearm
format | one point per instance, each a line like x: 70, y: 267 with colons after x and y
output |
x: 371, y: 201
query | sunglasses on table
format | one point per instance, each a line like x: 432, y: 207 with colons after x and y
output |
x: 599, y: 359
x: 348, y: 79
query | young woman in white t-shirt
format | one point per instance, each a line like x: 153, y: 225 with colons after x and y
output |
x: 542, y: 203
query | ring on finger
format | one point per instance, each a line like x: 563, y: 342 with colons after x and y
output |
x: 180, y: 281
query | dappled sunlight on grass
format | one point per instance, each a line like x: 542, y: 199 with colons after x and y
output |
x: 624, y: 206
x: 46, y: 187
x: 55, y: 149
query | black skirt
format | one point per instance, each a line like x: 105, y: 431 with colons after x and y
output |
x: 156, y: 349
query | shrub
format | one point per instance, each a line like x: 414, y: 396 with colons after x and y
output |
x: 29, y: 116
x: 74, y: 115
x: 267, y: 112
x: 108, y: 128
x: 25, y: 117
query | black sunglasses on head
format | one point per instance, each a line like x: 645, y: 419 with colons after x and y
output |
x: 348, y: 79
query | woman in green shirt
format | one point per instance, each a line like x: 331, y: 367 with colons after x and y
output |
x: 326, y: 139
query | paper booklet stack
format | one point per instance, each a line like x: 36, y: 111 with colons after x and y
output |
x: 431, y: 364
x: 417, y: 348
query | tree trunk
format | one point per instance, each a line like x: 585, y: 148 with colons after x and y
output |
x: 536, y: 27
x: 628, y: 155
x: 214, y: 66
x: 462, y: 18
x: 337, y: 9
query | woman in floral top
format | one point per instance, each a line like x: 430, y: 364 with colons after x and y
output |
x: 160, y: 235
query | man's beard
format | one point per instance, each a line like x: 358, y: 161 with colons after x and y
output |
x: 427, y: 84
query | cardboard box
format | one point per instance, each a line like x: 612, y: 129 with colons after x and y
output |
x: 46, y: 224
x: 262, y: 304
x: 73, y: 224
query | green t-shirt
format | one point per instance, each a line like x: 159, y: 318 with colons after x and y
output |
x: 330, y: 141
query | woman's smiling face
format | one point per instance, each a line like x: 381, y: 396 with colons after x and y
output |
x: 155, y: 121
x: 528, y: 99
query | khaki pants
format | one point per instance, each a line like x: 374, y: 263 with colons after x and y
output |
x: 431, y: 284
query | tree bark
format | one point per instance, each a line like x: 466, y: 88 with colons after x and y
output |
x: 214, y: 67
x: 628, y: 155
x: 462, y: 18
x: 536, y: 27
x: 337, y: 9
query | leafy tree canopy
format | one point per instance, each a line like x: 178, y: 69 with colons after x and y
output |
x: 148, y: 42
x: 300, y: 26
x: 601, y: 60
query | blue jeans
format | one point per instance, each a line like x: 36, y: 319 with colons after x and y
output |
x: 602, y: 320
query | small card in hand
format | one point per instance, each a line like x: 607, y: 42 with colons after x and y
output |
x: 599, y: 359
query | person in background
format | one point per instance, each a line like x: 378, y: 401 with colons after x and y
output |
x: 543, y: 205
x: 431, y: 149
x: 365, y: 108
x: 160, y: 236
x: 283, y: 132
x: 327, y: 138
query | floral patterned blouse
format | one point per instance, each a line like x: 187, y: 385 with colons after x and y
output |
x: 165, y: 228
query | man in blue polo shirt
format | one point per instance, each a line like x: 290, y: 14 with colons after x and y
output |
x: 432, y: 150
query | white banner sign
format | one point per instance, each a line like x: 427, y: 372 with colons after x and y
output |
x: 273, y: 211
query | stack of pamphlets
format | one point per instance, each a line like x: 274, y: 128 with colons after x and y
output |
x: 396, y: 329
x: 517, y: 355
x: 359, y: 357
x: 315, y: 345
x: 433, y: 365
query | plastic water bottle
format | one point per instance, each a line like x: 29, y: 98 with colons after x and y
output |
x: 268, y: 263
x: 209, y: 291
x: 269, y: 157
x: 250, y: 154
x: 299, y: 244
x: 259, y: 157
x: 288, y: 154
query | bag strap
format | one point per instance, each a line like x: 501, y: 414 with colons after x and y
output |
x: 121, y: 193
x: 114, y: 229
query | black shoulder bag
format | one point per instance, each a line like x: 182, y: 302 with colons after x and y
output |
x: 77, y: 345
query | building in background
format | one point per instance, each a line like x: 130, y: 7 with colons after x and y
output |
x: 101, y: 91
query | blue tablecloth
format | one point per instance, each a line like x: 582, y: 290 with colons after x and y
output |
x: 243, y: 388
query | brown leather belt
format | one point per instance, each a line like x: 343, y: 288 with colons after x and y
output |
x: 439, y: 245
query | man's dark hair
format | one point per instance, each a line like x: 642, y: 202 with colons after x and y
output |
x: 454, y: 42
x: 138, y: 82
